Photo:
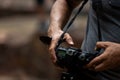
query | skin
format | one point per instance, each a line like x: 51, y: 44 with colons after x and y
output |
x: 58, y: 18
x: 109, y: 59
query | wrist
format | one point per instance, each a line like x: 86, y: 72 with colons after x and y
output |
x: 52, y: 32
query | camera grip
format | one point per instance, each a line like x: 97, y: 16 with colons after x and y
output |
x: 45, y: 39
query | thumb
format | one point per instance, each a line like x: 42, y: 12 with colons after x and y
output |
x: 69, y: 39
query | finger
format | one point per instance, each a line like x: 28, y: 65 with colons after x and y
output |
x: 96, y: 61
x: 68, y: 39
x: 103, y: 44
x: 100, y: 67
x: 52, y: 50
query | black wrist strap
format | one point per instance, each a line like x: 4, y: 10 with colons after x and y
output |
x: 47, y: 40
x: 70, y: 23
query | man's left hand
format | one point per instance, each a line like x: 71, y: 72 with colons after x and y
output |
x: 109, y: 59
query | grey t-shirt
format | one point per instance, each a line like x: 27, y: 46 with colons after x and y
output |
x: 110, y: 31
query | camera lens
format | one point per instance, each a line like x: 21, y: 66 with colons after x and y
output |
x: 82, y: 57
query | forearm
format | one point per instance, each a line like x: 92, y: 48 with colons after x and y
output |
x: 60, y: 14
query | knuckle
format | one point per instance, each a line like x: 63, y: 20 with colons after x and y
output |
x: 50, y: 49
x: 68, y: 39
x: 107, y: 42
x: 67, y: 34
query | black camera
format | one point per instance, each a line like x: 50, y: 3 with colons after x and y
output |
x: 73, y: 59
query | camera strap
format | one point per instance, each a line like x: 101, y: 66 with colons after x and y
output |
x: 47, y: 40
x: 70, y: 23
x: 97, y: 6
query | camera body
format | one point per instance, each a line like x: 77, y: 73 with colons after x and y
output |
x: 73, y: 59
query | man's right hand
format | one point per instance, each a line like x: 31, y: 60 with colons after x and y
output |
x: 55, y: 37
x: 59, y: 16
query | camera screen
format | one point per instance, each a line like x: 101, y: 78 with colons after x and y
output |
x: 61, y: 53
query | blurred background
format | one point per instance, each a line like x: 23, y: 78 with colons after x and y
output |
x: 22, y: 55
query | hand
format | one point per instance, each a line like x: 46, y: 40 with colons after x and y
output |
x: 109, y: 59
x: 55, y: 37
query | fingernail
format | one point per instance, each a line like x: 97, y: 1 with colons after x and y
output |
x: 71, y: 42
